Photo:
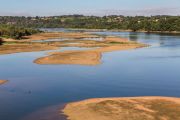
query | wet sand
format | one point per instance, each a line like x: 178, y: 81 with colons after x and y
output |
x: 135, y: 108
x: 3, y: 82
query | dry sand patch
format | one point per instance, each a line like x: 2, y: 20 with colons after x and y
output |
x: 137, y: 108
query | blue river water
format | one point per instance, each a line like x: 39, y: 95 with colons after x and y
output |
x: 151, y: 71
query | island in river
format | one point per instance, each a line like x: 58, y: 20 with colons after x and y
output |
x: 37, y: 42
x: 89, y: 57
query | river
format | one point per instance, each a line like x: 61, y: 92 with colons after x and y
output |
x: 151, y: 71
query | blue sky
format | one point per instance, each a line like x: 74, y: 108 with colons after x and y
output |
x: 89, y: 7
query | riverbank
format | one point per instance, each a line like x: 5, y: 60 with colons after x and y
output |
x: 3, y: 82
x: 135, y: 108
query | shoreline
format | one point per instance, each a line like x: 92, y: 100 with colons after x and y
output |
x: 131, y: 108
x: 81, y: 108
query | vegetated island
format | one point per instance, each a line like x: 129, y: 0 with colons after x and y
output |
x: 135, y: 108
x: 3, y: 82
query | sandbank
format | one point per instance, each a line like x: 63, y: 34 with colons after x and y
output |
x: 135, y: 108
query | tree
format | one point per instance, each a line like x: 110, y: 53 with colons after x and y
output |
x: 148, y: 26
x: 133, y: 25
x: 1, y: 41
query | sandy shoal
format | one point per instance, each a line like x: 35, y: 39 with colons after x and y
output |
x: 135, y: 108
x: 74, y: 57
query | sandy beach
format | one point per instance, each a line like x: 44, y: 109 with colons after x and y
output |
x: 135, y: 108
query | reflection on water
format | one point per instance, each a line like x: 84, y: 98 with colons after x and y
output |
x: 133, y: 36
x: 49, y: 113
x: 152, y: 71
x: 54, y: 30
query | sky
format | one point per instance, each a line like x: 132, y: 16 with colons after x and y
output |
x: 89, y: 7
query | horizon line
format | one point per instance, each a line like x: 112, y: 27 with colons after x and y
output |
x: 85, y: 15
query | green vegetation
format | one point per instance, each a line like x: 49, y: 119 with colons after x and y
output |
x: 137, y: 23
x: 12, y: 31
x: 1, y: 41
x: 117, y: 42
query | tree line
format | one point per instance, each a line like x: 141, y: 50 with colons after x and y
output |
x: 136, y: 23
x: 12, y: 31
